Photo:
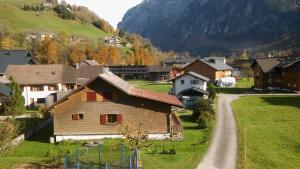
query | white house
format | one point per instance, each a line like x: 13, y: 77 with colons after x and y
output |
x: 189, y: 86
x: 37, y: 82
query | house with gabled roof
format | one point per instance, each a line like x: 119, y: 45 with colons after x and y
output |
x: 101, y: 107
x: 37, y: 82
x: 14, y: 57
x: 210, y: 68
x: 277, y: 73
x: 190, y: 86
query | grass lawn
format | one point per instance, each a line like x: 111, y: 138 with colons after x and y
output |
x: 268, y: 131
x: 158, y: 87
x: 189, y: 151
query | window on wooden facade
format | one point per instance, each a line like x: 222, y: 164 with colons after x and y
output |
x: 36, y: 88
x: 110, y: 119
x: 77, y: 116
x: 193, y: 82
x: 182, y: 81
x: 91, y: 96
x: 52, y: 88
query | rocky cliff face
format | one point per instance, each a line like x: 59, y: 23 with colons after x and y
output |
x: 203, y: 26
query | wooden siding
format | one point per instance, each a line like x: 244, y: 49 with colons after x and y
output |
x: 154, y: 116
x: 207, y: 71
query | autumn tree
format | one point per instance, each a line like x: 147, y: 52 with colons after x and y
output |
x: 77, y: 55
x: 48, y: 52
x: 134, y: 136
x: 6, y: 42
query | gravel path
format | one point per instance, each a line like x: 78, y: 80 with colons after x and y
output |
x: 222, y: 153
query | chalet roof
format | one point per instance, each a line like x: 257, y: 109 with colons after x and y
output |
x: 5, y: 90
x: 180, y: 60
x: 267, y: 64
x: 90, y: 71
x: 14, y: 57
x: 196, y: 75
x: 216, y: 64
x: 39, y: 74
x: 91, y: 62
x: 284, y: 63
x: 127, y: 88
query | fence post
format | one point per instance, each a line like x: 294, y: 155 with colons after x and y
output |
x: 66, y: 162
x: 137, y: 158
x: 99, y: 156
x: 130, y: 162
x: 77, y: 159
x: 123, y: 156
x: 106, y: 166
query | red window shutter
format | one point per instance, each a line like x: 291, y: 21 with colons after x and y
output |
x: 103, y: 119
x: 75, y: 117
x: 91, y: 96
x: 119, y: 118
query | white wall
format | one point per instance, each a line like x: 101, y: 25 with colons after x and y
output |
x: 178, y: 87
x: 27, y: 94
x: 96, y: 137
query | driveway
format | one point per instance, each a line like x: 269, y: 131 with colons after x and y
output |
x: 222, y: 153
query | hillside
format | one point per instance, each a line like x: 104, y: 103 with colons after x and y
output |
x: 205, y: 26
x: 18, y: 21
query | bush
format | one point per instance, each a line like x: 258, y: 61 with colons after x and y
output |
x: 202, y: 105
x: 56, y: 155
x: 212, y: 93
x: 204, y: 119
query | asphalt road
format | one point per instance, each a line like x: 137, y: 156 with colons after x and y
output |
x: 222, y: 153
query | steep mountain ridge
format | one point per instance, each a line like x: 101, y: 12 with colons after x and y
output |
x: 204, y: 26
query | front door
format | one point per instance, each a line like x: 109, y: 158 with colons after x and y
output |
x: 31, y: 103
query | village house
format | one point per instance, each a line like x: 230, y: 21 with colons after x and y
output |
x: 157, y: 73
x: 211, y: 68
x: 100, y: 108
x: 277, y: 73
x: 40, y: 81
x: 190, y: 86
x: 14, y: 57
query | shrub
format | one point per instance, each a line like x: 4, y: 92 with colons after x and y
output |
x: 202, y: 105
x: 56, y: 154
x: 212, y: 93
x: 43, y: 110
x: 204, y: 119
x: 8, y: 130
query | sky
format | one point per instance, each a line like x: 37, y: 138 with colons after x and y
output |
x: 110, y: 10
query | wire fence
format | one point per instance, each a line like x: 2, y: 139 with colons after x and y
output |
x: 94, y: 158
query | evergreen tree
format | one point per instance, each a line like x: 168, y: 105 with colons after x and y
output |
x: 15, y: 106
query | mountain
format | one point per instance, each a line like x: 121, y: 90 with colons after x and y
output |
x: 205, y: 26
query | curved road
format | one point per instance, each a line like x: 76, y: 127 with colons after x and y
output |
x: 222, y: 153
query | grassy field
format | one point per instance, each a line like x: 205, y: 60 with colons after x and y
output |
x: 158, y: 87
x: 269, y: 132
x: 19, y: 21
x: 189, y: 151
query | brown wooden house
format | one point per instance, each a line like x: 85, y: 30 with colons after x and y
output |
x: 277, y: 73
x: 210, y: 68
x: 101, y: 107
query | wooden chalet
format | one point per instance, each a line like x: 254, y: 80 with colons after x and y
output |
x: 102, y: 106
x: 210, y: 68
x: 277, y: 73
